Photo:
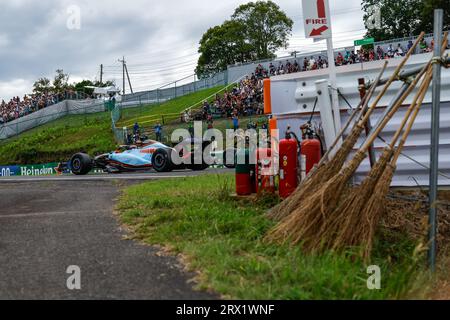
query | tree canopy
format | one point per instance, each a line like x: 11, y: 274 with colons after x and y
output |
x: 403, y: 18
x: 255, y: 31
x: 60, y: 83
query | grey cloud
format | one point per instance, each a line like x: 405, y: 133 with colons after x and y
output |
x: 34, y: 40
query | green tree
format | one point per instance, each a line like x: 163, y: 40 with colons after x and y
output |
x: 61, y: 81
x: 256, y: 31
x: 267, y: 27
x: 398, y: 18
x: 221, y: 46
x: 427, y: 9
x: 82, y: 86
x: 402, y: 18
x: 42, y: 85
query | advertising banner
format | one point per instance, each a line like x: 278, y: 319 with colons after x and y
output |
x: 29, y: 170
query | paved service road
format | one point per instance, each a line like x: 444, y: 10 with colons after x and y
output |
x: 46, y: 226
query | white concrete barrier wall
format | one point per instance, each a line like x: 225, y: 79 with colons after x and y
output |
x: 297, y: 111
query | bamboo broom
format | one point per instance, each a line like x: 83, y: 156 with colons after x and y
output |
x: 324, y: 172
x: 306, y: 221
x: 374, y: 209
x: 346, y: 227
x: 307, y: 224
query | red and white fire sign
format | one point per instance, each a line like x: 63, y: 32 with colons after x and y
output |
x: 316, y: 15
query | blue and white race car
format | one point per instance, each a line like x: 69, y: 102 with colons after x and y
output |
x: 140, y: 157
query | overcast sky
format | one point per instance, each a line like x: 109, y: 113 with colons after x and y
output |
x: 159, y: 39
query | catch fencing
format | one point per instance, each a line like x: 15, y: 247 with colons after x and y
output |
x: 46, y: 115
x: 176, y: 89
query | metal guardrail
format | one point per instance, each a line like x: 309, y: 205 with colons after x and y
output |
x: 173, y: 89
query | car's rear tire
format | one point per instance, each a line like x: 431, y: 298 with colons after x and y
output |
x: 81, y: 164
x: 161, y: 160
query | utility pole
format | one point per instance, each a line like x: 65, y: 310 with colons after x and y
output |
x: 128, y: 76
x: 123, y: 72
x: 101, y: 74
x: 434, y: 153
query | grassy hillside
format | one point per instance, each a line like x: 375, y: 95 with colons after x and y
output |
x: 173, y: 106
x: 58, y: 140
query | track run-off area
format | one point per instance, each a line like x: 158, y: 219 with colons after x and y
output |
x: 48, y: 224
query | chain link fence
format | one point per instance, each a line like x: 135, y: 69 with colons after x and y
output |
x: 175, y: 89
x: 49, y: 114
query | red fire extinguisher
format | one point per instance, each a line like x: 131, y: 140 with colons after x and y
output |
x: 288, y: 150
x: 311, y: 148
x: 265, y: 174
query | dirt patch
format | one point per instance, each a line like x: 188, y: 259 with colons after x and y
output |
x: 442, y: 291
x: 407, y: 212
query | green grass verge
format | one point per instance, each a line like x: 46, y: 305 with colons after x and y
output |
x: 60, y: 139
x: 223, y: 239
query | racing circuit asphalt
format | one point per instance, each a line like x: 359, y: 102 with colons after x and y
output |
x: 49, y: 224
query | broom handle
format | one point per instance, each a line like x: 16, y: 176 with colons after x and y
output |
x: 419, y: 101
x: 394, y: 109
x: 423, y: 88
x: 358, y: 111
x: 371, y: 91
x: 389, y: 116
x: 402, y: 142
x: 391, y: 79
x: 413, y: 107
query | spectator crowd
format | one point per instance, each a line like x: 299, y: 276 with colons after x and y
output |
x: 343, y: 57
x: 17, y: 107
x: 245, y: 99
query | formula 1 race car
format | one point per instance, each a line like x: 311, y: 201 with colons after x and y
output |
x: 140, y: 157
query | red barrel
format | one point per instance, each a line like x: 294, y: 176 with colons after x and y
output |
x: 244, y: 184
x: 245, y: 180
x: 288, y: 167
x: 265, y: 176
x: 311, y: 149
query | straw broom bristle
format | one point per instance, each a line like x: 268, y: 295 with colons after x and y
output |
x: 303, y: 224
x: 343, y: 227
x: 316, y: 179
x: 375, y: 209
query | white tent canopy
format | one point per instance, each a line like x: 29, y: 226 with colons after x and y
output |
x: 105, y: 91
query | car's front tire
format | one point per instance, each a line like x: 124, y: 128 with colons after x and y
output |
x: 81, y: 164
x: 161, y: 160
